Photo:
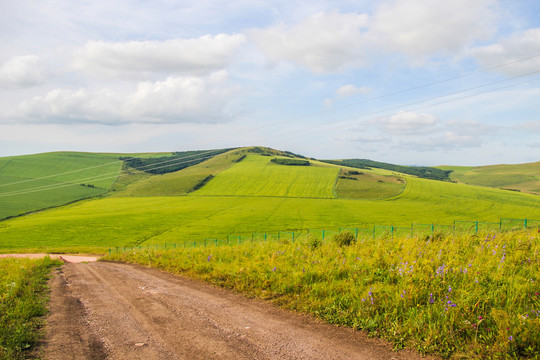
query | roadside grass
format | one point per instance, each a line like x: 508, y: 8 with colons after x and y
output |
x: 464, y: 296
x: 23, y: 304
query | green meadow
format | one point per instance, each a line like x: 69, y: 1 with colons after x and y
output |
x: 521, y: 177
x: 232, y: 202
x: 33, y: 182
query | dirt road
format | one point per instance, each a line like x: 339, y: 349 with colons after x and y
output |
x: 103, y: 310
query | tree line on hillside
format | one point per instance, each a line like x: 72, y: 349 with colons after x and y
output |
x: 166, y: 164
x: 293, y: 162
x: 420, y: 171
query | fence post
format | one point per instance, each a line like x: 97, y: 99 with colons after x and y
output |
x: 356, y: 233
x: 432, y: 228
x: 392, y: 232
x: 500, y: 224
x: 323, y: 235
x: 476, y: 227
x: 293, y: 237
x: 216, y: 242
x: 525, y: 223
x: 373, y: 232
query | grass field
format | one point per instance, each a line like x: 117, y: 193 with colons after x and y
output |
x: 179, y: 182
x: 523, y: 177
x: 23, y: 302
x: 457, y: 296
x: 122, y: 221
x: 368, y: 185
x: 57, y: 177
x: 257, y: 176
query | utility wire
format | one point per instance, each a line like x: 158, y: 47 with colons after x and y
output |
x: 100, y: 177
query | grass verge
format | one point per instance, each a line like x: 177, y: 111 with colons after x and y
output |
x: 23, y: 304
x: 454, y: 296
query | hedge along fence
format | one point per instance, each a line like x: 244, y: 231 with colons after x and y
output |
x: 377, y: 231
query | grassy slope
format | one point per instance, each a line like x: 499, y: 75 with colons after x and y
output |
x: 523, y: 177
x: 257, y: 176
x: 136, y: 220
x: 34, y: 172
x: 368, y: 185
x: 179, y: 182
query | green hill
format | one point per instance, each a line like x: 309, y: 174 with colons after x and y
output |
x: 249, y: 193
x: 520, y: 177
x: 34, y: 182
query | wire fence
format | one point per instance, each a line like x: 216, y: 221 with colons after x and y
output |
x: 375, y: 232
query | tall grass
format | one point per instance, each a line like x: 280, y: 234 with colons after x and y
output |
x: 22, y: 303
x: 455, y: 296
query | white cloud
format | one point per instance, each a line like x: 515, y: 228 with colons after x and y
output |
x: 427, y: 27
x: 141, y: 58
x: 407, y: 123
x: 418, y: 29
x: 23, y: 71
x: 518, y: 46
x: 174, y: 100
x: 349, y: 90
x: 322, y: 42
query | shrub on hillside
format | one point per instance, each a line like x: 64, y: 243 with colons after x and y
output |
x: 344, y: 239
x: 293, y: 162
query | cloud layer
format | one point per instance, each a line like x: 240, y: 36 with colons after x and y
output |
x: 198, y: 56
x: 174, y: 100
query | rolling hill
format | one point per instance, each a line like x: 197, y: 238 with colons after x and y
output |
x: 242, y: 191
x: 33, y: 182
x: 520, y: 177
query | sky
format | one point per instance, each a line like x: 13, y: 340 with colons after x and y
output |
x: 411, y: 82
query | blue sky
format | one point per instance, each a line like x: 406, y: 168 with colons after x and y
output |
x: 416, y: 82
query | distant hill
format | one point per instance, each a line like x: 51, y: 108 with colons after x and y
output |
x: 520, y: 177
x: 419, y: 171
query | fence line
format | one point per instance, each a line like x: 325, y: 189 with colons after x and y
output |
x: 378, y: 231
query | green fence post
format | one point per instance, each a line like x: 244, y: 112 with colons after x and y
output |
x: 216, y: 241
x: 264, y: 237
x: 373, y: 232
x: 293, y: 237
x: 323, y: 235
x: 500, y: 224
x: 476, y: 227
x: 279, y: 235
x: 525, y: 223
x: 356, y: 233
x: 392, y: 232
x: 239, y: 239
x: 432, y: 228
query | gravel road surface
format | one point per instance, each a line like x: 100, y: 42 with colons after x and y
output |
x: 102, y: 310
